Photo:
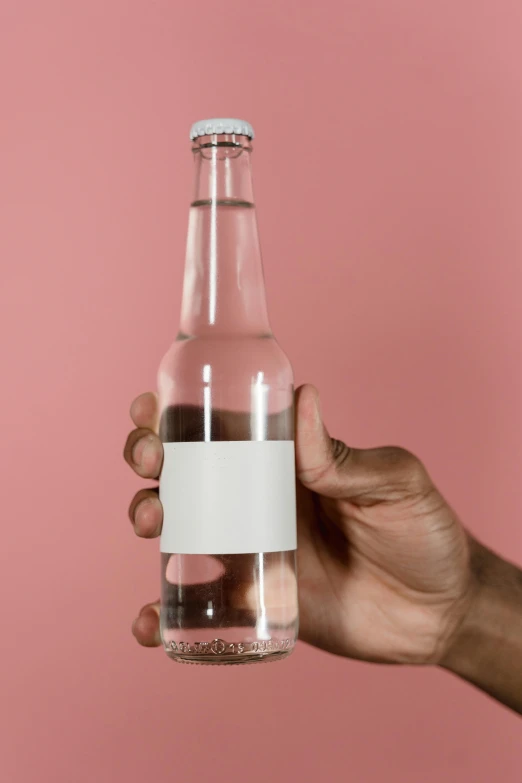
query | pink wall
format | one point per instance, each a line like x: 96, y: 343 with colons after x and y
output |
x: 388, y: 174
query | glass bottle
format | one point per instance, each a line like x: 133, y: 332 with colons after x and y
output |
x: 228, y: 570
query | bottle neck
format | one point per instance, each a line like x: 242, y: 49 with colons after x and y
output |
x: 224, y: 291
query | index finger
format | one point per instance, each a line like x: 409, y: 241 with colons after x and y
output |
x: 144, y: 411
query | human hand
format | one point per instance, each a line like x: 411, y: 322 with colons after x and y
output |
x: 383, y: 562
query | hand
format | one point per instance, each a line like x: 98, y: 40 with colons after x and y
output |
x: 383, y: 562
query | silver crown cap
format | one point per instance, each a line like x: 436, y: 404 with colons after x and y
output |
x: 219, y: 126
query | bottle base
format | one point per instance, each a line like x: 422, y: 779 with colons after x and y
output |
x: 229, y: 660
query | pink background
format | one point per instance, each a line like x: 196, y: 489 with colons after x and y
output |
x: 388, y: 174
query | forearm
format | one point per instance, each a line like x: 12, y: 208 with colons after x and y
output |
x: 487, y: 649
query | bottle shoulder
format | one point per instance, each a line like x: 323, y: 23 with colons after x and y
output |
x: 231, y: 357
x: 247, y: 348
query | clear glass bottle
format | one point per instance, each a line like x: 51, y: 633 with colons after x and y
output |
x: 228, y: 571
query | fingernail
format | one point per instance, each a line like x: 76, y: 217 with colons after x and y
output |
x: 142, y: 450
x: 139, y: 517
x: 149, y: 455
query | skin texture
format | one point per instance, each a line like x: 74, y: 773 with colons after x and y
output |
x: 387, y: 573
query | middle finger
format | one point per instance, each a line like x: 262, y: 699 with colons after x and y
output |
x: 144, y: 453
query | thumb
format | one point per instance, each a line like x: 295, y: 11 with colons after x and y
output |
x: 333, y: 469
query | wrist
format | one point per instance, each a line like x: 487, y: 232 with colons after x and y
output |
x: 487, y: 646
x: 475, y: 627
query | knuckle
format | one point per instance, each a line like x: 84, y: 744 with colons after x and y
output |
x: 341, y: 452
x: 409, y: 466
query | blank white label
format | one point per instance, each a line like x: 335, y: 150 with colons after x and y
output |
x: 228, y: 497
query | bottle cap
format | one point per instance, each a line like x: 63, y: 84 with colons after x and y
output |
x: 219, y: 126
